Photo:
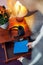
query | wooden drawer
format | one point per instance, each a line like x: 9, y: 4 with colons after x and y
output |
x: 9, y: 55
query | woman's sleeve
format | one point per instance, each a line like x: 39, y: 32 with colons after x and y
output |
x: 38, y: 37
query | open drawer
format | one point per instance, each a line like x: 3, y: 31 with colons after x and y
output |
x: 9, y: 55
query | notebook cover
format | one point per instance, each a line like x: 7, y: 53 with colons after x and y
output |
x: 20, y: 47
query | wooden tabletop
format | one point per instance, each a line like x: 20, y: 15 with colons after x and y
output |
x: 4, y: 36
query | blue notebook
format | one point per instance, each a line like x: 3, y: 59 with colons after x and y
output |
x: 20, y: 47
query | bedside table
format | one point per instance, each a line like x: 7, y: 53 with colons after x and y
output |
x: 6, y: 40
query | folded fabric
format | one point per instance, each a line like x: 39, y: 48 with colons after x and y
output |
x: 20, y: 46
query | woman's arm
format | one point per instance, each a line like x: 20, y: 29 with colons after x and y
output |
x: 34, y: 43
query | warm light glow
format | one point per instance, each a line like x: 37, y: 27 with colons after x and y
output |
x: 9, y: 5
x: 19, y: 9
x: 14, y: 22
x: 16, y: 8
x: 30, y: 21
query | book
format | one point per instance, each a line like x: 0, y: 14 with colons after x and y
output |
x: 20, y: 47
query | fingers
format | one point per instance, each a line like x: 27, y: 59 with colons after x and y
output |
x: 29, y: 45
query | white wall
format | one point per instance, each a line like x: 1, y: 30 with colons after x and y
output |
x: 3, y: 2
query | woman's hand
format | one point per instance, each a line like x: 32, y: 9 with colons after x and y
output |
x: 29, y: 45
